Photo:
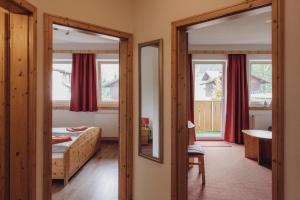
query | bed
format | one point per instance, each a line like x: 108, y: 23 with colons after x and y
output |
x: 69, y: 157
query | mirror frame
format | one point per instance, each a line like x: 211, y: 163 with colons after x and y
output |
x: 161, y: 135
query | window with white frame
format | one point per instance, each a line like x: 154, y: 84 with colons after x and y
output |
x: 260, y: 83
x: 61, y: 81
x: 209, y: 80
x: 107, y: 80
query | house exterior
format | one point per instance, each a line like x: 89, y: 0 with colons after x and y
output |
x: 112, y: 89
x: 211, y: 79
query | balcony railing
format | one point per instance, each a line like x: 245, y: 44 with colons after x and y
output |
x: 208, y: 115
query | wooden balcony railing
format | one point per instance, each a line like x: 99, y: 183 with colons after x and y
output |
x: 208, y: 115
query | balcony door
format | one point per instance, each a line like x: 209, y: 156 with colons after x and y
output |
x: 209, y: 82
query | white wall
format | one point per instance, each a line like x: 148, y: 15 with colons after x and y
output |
x: 152, y: 21
x: 292, y: 99
x: 107, y: 120
x: 262, y: 119
x: 150, y: 92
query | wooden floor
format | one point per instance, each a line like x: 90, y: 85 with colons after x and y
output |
x: 96, y: 180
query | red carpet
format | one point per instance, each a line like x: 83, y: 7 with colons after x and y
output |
x: 230, y: 176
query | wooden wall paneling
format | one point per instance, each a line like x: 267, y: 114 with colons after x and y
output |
x: 217, y: 115
x: 19, y: 115
x: 129, y: 113
x: 122, y: 117
x: 277, y: 101
x: 47, y: 169
x: 4, y: 112
x: 278, y: 92
x: 174, y: 138
x: 126, y: 121
x: 12, y: 7
x: 182, y: 101
x: 20, y: 100
x: 32, y: 106
x: 208, y: 115
x: 2, y: 104
x: 205, y: 109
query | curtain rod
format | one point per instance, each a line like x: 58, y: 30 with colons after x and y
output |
x: 228, y: 52
x: 88, y: 51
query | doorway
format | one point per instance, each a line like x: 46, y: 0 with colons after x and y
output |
x: 180, y: 78
x: 125, y: 98
x: 85, y: 136
x: 209, y: 95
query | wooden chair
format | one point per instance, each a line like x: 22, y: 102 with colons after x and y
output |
x: 196, y: 151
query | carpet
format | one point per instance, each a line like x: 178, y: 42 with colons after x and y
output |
x: 213, y: 144
x: 230, y: 176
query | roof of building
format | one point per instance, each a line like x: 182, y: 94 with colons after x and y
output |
x: 111, y: 83
x: 210, y: 76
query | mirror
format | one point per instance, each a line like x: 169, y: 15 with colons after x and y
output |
x: 151, y: 101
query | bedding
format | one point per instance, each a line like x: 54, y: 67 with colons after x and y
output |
x: 61, y: 147
x: 69, y: 157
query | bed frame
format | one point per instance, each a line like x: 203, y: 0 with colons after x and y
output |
x: 86, y: 145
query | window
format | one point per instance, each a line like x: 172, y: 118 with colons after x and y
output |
x: 108, y: 82
x: 61, y: 81
x: 209, y: 97
x: 209, y: 80
x: 260, y: 83
x: 107, y: 79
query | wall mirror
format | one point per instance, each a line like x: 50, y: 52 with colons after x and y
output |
x: 151, y: 100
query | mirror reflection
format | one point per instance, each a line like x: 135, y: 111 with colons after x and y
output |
x: 150, y: 134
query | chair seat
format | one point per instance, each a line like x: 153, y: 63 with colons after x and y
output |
x: 195, y: 150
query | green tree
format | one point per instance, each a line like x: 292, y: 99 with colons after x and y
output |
x: 217, y: 93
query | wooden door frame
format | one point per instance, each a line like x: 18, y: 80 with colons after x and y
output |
x: 125, y: 104
x: 179, y: 139
x: 24, y: 8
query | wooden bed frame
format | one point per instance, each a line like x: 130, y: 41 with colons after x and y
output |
x: 86, y: 145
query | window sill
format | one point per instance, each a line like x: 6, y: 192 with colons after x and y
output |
x: 260, y: 108
x: 100, y: 106
x: 61, y: 107
x: 108, y: 106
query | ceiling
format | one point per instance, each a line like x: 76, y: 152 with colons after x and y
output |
x: 251, y: 28
x: 67, y: 37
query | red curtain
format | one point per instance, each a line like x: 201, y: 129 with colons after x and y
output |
x: 192, y: 136
x: 84, y: 83
x: 237, y: 108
